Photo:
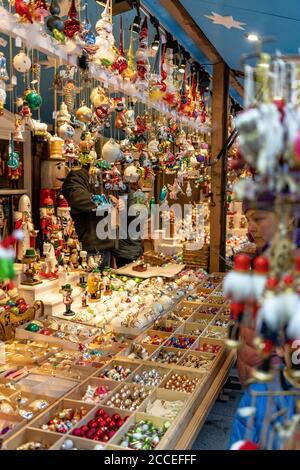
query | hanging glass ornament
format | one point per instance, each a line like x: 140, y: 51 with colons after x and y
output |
x: 111, y: 151
x: 84, y: 113
x: 56, y: 148
x: 13, y: 161
x: 22, y: 62
x: 54, y: 23
x: 33, y: 99
x: 130, y: 72
x: 105, y: 40
x: 23, y: 11
x: 41, y: 10
x: 3, y: 70
x: 69, y: 91
x: 72, y: 24
x: 142, y: 59
x: 87, y: 34
x: 120, y: 65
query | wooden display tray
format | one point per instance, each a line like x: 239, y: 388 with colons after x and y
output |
x: 189, y: 421
x: 47, y: 415
x: 29, y: 434
x: 77, y: 393
x: 22, y: 333
x: 169, y: 271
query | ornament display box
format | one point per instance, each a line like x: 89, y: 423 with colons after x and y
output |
x: 22, y: 333
x: 186, y: 424
x: 196, y: 258
x: 154, y: 259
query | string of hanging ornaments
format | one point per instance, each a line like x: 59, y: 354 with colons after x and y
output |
x: 73, y: 41
x: 267, y: 296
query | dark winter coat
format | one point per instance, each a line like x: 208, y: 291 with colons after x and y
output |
x: 78, y: 191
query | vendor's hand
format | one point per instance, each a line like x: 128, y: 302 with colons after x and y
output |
x: 119, y: 203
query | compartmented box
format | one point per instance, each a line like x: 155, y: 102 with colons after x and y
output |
x: 216, y: 332
x: 198, y: 360
x: 201, y: 319
x: 174, y: 354
x: 132, y: 352
x: 130, y: 366
x: 185, y: 373
x: 78, y: 444
x: 162, y: 371
x: 182, y: 342
x: 92, y: 416
x: 165, y: 395
x: 45, y: 385
x: 191, y: 329
x: 119, y: 438
x: 47, y: 439
x: 146, y: 337
x: 79, y: 392
x: 165, y: 326
x: 22, y: 333
x: 115, y: 400
x: 10, y: 423
x: 44, y: 418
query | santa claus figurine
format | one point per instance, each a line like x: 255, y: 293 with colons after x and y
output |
x: 63, y: 213
x: 23, y: 221
x: 47, y: 217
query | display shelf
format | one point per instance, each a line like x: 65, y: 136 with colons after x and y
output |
x: 33, y: 36
x: 13, y: 192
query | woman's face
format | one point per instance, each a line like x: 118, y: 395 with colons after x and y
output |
x: 261, y: 226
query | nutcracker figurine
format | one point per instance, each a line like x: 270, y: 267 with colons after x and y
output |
x: 63, y: 213
x: 46, y: 217
x: 83, y: 287
x: 93, y: 285
x: 29, y: 261
x: 23, y: 221
x: 67, y: 290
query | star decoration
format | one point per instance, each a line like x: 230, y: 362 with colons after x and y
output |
x: 226, y: 21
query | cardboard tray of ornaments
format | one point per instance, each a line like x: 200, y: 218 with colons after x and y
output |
x: 169, y: 271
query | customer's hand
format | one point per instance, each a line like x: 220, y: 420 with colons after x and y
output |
x: 119, y: 203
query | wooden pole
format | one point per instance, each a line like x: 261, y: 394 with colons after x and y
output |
x: 218, y: 174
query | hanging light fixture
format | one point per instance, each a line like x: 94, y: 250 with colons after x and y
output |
x: 156, y: 41
x: 136, y: 25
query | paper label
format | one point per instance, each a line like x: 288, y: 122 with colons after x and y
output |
x: 18, y: 42
x: 14, y: 80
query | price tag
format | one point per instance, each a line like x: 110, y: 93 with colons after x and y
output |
x: 14, y: 80
x: 3, y: 42
x: 54, y: 115
x: 18, y: 42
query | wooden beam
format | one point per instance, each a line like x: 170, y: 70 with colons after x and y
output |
x: 218, y: 171
x: 180, y: 14
x: 119, y: 6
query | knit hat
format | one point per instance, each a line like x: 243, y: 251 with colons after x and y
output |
x: 264, y: 202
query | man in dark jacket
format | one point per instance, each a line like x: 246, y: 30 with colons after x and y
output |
x: 78, y: 190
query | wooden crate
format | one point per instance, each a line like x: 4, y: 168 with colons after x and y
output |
x: 196, y: 258
x: 154, y: 259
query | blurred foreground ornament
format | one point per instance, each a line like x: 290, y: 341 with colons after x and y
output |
x: 72, y: 24
x: 23, y: 11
